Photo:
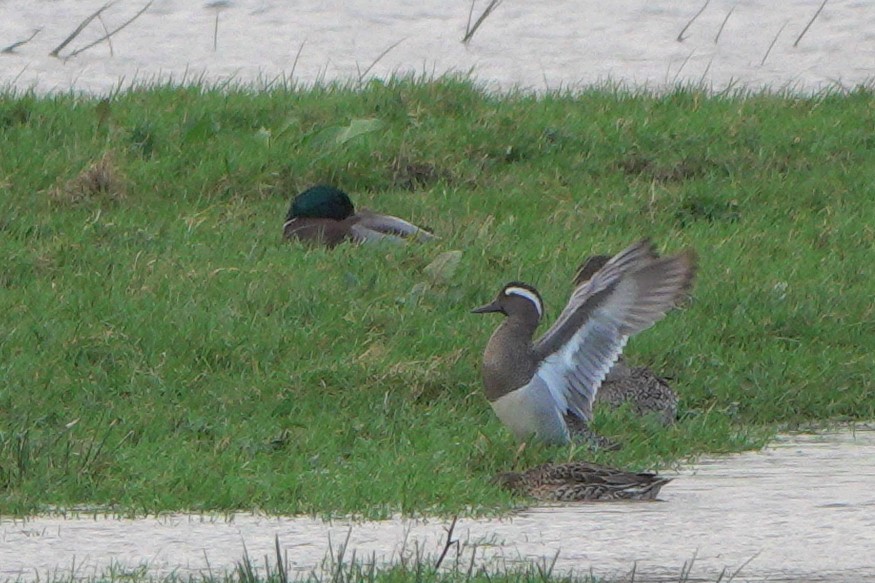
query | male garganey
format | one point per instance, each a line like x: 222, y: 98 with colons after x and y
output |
x: 538, y: 389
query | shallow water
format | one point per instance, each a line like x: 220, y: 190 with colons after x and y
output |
x: 801, y: 510
x: 536, y: 45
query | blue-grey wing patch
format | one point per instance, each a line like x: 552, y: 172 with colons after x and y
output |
x: 633, y: 290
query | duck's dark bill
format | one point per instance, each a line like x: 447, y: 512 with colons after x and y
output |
x: 486, y: 309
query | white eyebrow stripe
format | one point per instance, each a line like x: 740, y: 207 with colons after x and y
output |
x: 524, y: 293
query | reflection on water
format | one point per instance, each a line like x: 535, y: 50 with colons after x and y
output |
x: 555, y: 44
x: 802, y: 509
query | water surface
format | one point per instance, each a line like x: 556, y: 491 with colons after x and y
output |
x: 803, y: 509
x: 538, y: 45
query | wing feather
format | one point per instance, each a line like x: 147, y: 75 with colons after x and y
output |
x: 587, y: 293
x: 633, y: 291
x: 362, y: 234
x: 389, y: 225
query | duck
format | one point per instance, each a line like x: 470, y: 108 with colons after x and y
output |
x: 582, y: 481
x: 646, y: 392
x: 325, y: 215
x: 544, y: 389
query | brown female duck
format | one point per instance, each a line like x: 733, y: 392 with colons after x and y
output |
x: 579, y: 481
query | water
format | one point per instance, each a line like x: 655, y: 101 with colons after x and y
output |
x: 537, y: 45
x: 801, y: 510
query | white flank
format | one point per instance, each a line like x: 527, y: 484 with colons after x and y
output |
x: 530, y: 411
x: 524, y: 293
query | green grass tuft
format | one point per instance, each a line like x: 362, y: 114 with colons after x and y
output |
x: 162, y: 348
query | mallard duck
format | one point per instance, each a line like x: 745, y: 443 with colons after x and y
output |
x: 325, y: 215
x: 578, y: 481
x: 543, y: 389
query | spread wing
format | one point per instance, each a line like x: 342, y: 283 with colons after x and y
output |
x: 589, y: 268
x: 629, y: 294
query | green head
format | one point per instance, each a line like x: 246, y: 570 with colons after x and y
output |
x: 321, y: 202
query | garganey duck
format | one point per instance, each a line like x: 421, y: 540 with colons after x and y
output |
x: 545, y: 389
x: 325, y: 215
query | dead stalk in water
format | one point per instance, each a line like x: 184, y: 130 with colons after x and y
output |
x: 375, y: 61
x: 688, y: 567
x: 216, y: 32
x: 705, y: 72
x: 470, y: 15
x: 295, y: 63
x: 79, y: 29
x: 681, y: 36
x: 722, y: 24
x: 281, y: 565
x: 743, y: 565
x: 11, y: 48
x: 450, y: 542
x: 107, y: 36
x: 470, y: 30
x: 106, y: 32
x: 774, y: 40
x: 684, y: 64
x: 810, y: 22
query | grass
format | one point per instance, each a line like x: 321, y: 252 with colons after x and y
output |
x: 458, y: 563
x: 162, y: 348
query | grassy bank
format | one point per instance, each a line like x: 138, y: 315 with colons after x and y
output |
x: 162, y: 348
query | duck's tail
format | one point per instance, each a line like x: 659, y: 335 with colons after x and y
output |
x: 648, y: 490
